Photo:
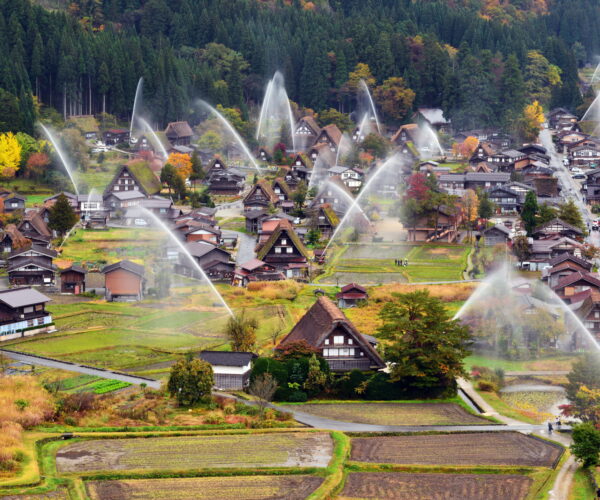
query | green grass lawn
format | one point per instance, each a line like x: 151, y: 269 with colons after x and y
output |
x: 550, y: 363
x: 581, y: 487
x: 426, y: 263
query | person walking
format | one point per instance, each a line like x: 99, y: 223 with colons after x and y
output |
x: 550, y: 428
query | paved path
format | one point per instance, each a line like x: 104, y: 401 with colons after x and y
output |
x: 73, y: 367
x: 533, y: 373
x: 245, y: 250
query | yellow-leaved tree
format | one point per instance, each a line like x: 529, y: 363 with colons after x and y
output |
x: 470, y: 205
x: 10, y: 155
x: 531, y: 122
x: 182, y: 164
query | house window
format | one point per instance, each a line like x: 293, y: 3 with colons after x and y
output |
x: 326, y: 341
x: 289, y: 250
x: 277, y: 249
x: 29, y: 322
x: 349, y: 341
x: 28, y: 309
x: 597, y: 314
x: 338, y: 339
x: 284, y: 241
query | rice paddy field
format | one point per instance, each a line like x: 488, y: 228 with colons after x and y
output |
x: 197, y: 452
x: 492, y: 448
x: 375, y: 263
x: 394, y: 413
x: 295, y: 487
x: 419, y: 486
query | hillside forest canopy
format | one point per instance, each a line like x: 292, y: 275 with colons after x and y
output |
x: 479, y: 63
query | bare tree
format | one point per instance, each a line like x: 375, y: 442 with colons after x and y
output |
x: 263, y: 388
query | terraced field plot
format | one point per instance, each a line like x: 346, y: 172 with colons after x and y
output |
x: 401, y: 486
x: 291, y: 449
x: 493, y: 448
x: 208, y: 488
x: 394, y: 413
x: 59, y: 494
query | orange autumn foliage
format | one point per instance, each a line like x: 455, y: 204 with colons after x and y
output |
x: 182, y: 164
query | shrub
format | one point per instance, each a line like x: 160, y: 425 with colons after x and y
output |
x: 297, y: 397
x: 77, y: 402
x: 487, y: 386
x: 214, y: 419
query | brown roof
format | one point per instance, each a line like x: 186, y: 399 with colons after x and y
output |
x: 311, y: 122
x: 17, y: 238
x: 35, y: 219
x: 178, y: 129
x: 410, y: 129
x: 280, y: 181
x: 333, y: 132
x: 266, y: 188
x: 319, y: 321
x: 575, y: 277
x: 283, y: 225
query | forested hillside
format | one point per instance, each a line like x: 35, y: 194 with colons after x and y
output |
x: 480, y: 61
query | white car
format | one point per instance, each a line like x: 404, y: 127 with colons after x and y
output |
x: 100, y: 149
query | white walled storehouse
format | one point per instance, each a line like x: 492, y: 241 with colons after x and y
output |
x: 231, y: 369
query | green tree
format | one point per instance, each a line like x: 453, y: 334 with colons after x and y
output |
x: 61, y: 216
x: 342, y: 120
x: 375, y: 144
x: 411, y: 211
x: 168, y: 176
x: 569, y: 213
x: 299, y: 196
x: 521, y: 248
x: 313, y: 236
x: 198, y: 172
x: 179, y: 187
x: 529, y: 212
x: 190, y: 381
x: 316, y: 377
x: 241, y: 332
x: 586, y: 444
x: 546, y: 213
x: 210, y: 141
x: 512, y: 91
x: 425, y: 346
x: 486, y: 206
x: 540, y: 77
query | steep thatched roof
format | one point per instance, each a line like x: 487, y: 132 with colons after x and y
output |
x: 145, y: 176
x: 283, y: 227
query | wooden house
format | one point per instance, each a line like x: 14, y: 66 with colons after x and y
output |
x: 116, y: 136
x: 300, y: 170
x: 406, y: 133
x: 72, y: 280
x: 12, y: 239
x: 285, y: 193
x: 325, y: 328
x: 136, y: 176
x: 33, y: 227
x: 123, y: 281
x: 228, y: 183
x: 506, y: 200
x: 325, y: 220
x: 14, y: 202
x: 557, y: 227
x: 285, y: 251
x: 425, y: 228
x: 306, y: 132
x: 193, y: 230
x: 561, y: 119
x: 336, y: 194
x: 32, y: 265
x: 214, y: 261
x: 331, y: 136
x: 231, y: 370
x: 496, y: 235
x: 23, y: 313
x: 263, y: 154
x: 483, y: 151
x: 544, y: 250
x: 261, y: 197
x: 179, y: 133
x: 575, y: 283
x: 350, y: 295
x: 562, y: 266
x: 256, y: 270
x: 434, y: 118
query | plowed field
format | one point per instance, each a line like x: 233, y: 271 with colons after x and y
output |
x: 293, y: 449
x: 400, y: 486
x: 206, y: 488
x: 493, y: 448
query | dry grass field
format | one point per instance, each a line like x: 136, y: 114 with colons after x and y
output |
x: 206, y: 488
x: 395, y: 413
x: 404, y: 486
x: 498, y: 448
x: 197, y: 452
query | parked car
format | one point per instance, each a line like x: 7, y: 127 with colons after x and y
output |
x: 140, y: 222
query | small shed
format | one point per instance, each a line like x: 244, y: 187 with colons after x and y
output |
x: 496, y: 235
x: 72, y: 280
x: 350, y: 294
x: 231, y: 369
x: 124, y: 281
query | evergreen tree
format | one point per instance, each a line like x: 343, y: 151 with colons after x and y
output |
x: 61, y: 216
x: 190, y: 381
x: 529, y: 212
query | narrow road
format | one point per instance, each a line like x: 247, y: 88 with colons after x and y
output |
x: 73, y: 367
x: 245, y: 250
